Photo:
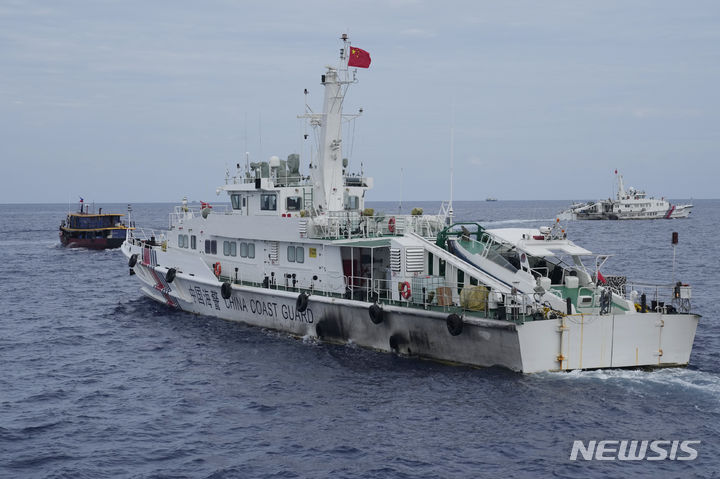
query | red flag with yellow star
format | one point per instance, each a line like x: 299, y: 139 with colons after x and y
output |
x: 359, y: 58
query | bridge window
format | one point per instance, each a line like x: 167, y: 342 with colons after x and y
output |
x: 247, y: 250
x: 352, y: 203
x: 268, y: 202
x: 235, y: 199
x: 293, y: 203
x: 229, y: 248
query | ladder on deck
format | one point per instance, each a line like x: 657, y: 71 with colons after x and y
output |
x: 308, y: 199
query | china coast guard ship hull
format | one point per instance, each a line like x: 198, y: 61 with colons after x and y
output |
x: 301, y: 254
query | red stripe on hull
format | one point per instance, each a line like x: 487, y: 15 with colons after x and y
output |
x: 670, y: 212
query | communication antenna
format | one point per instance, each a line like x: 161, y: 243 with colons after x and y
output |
x: 452, y: 156
x: 128, y: 232
x: 674, y: 244
x: 260, y: 134
x: 247, y: 153
x: 401, y: 190
x: 452, y: 167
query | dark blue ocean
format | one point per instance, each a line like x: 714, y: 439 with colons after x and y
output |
x: 98, y: 381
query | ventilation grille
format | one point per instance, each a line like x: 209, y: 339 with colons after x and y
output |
x: 395, y: 259
x: 274, y: 252
x: 414, y: 259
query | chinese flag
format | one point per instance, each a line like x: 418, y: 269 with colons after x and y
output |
x: 359, y: 58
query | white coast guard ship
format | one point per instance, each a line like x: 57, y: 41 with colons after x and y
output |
x: 630, y: 204
x: 300, y: 254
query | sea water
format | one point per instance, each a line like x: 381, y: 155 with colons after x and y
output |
x: 98, y: 381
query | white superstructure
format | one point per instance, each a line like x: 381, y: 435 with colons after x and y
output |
x: 300, y: 253
x: 630, y: 204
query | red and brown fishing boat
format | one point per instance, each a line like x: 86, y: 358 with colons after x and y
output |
x: 86, y: 229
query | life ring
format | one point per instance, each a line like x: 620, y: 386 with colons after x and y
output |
x: 391, y: 224
x: 405, y: 290
x: 301, y: 303
x: 217, y: 269
x: 454, y: 324
x: 376, y: 314
x: 133, y: 260
x: 226, y: 290
x: 170, y: 275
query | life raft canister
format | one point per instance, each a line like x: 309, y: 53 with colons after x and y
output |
x: 405, y: 290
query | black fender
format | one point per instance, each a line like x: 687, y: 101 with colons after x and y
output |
x: 226, y: 290
x: 454, y: 324
x: 376, y: 314
x: 301, y: 303
x: 133, y: 260
x: 170, y: 275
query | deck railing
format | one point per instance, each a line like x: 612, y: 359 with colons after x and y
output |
x: 352, y: 224
x: 440, y: 295
x: 147, y: 236
x: 660, y: 297
x: 180, y: 213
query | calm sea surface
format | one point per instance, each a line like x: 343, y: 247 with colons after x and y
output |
x: 98, y: 381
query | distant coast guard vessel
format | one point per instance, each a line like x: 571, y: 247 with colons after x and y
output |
x: 630, y: 204
x: 298, y: 252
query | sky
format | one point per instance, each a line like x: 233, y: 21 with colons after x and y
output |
x: 145, y: 101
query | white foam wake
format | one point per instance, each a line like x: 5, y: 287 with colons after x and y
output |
x: 689, y: 379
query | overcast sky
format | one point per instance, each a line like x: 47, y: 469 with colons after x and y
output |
x: 132, y: 101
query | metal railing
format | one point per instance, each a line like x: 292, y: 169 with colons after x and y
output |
x: 181, y: 213
x: 352, y: 224
x: 660, y: 297
x: 440, y: 296
x: 282, y: 178
x: 145, y: 236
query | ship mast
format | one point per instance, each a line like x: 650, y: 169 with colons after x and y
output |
x: 621, y: 187
x: 327, y: 173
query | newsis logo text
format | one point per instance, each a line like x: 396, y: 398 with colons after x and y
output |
x: 624, y: 450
